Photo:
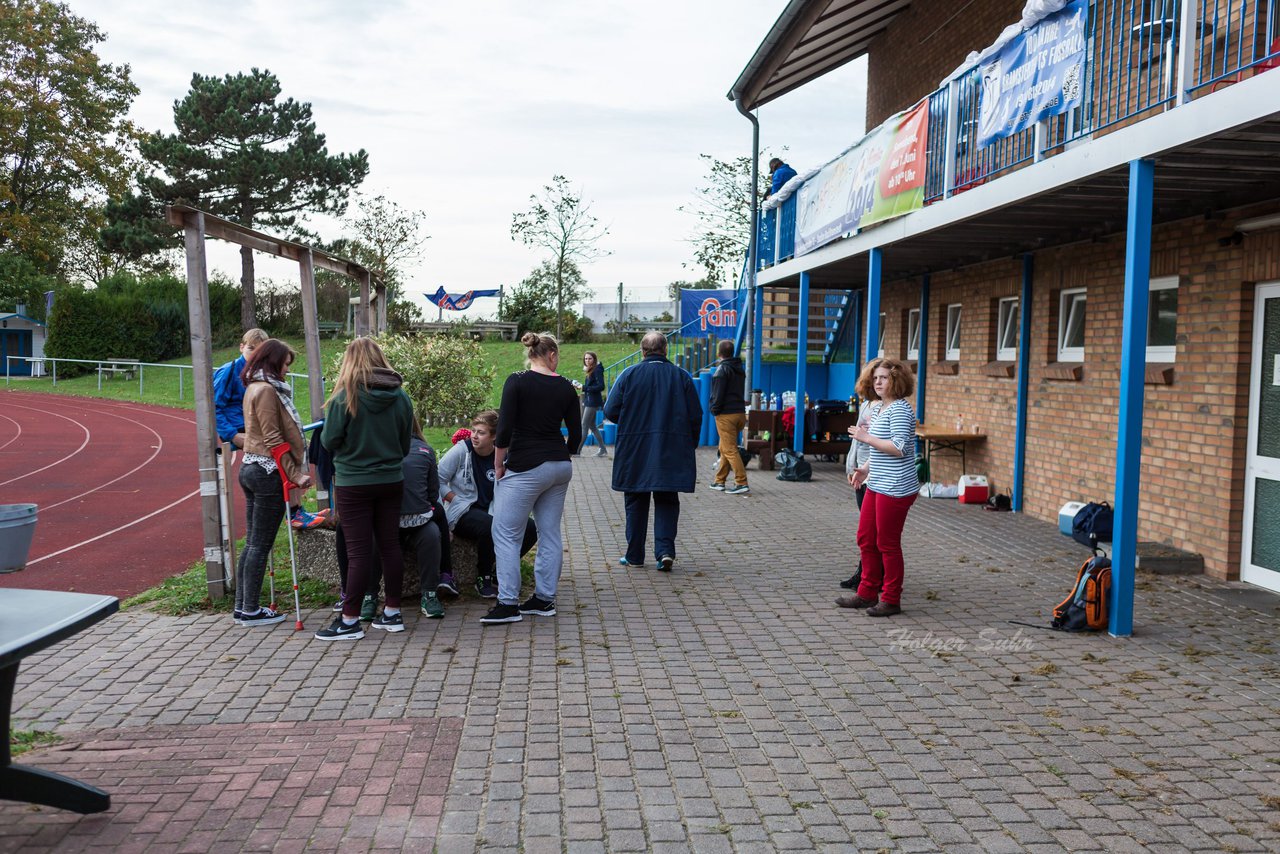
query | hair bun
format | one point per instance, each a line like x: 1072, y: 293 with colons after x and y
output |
x: 529, y: 339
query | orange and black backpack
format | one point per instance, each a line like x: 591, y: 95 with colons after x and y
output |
x: 1085, y: 608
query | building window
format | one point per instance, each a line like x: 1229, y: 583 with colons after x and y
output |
x: 952, y: 351
x: 913, y: 334
x: 1162, y: 320
x: 1071, y: 311
x: 1008, y: 323
x: 880, y: 351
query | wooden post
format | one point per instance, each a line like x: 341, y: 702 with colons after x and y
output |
x: 202, y: 380
x: 381, y: 325
x: 362, y: 315
x: 311, y: 334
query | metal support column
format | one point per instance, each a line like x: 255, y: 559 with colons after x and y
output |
x: 922, y: 356
x: 875, y: 263
x: 1024, y: 368
x: 802, y: 359
x: 1133, y: 364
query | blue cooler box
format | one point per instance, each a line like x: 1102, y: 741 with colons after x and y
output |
x: 1067, y: 515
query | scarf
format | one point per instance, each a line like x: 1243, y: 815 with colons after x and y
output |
x: 284, y: 392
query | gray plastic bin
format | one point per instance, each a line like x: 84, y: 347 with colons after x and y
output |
x: 17, y: 527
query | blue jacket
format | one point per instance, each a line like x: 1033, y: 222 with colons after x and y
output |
x: 782, y: 175
x: 659, y: 420
x: 593, y: 388
x: 228, y: 399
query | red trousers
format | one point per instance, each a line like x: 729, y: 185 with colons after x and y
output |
x: 880, y: 524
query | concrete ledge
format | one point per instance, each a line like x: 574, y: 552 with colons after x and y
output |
x: 318, y: 558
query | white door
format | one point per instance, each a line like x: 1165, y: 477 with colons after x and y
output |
x: 1260, y: 562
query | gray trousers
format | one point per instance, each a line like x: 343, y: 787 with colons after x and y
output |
x: 589, y: 426
x: 541, y: 491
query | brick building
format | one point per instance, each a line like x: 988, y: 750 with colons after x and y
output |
x: 1151, y: 209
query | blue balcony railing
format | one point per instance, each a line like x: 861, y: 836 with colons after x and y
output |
x: 1137, y: 64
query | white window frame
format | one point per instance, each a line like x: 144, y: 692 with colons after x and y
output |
x: 1067, y: 302
x: 1163, y: 354
x: 951, y: 351
x: 883, y: 320
x: 1008, y: 328
x: 913, y: 335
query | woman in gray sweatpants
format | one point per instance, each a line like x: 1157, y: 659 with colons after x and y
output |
x: 532, y: 468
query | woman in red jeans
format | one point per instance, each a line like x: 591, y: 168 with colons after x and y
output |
x: 892, y: 487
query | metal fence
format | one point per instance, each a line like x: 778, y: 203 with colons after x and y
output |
x: 112, y: 368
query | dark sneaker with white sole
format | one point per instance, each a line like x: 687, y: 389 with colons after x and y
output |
x: 536, y: 605
x: 500, y: 613
x: 446, y: 587
x: 431, y: 606
x: 718, y: 487
x: 339, y: 630
x: 737, y: 489
x: 665, y: 563
x: 393, y: 623
x: 487, y: 587
x: 264, y: 617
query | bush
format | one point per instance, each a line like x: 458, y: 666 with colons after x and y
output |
x: 446, y: 376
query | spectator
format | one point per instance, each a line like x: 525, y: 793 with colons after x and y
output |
x: 533, y: 470
x: 466, y: 490
x: 592, y: 400
x: 659, y: 418
x: 729, y: 407
x: 780, y: 173
x: 272, y: 439
x: 860, y: 453
x: 368, y: 426
x: 417, y: 523
x: 892, y: 486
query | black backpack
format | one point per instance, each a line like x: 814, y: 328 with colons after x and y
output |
x: 1092, y: 524
x: 795, y: 467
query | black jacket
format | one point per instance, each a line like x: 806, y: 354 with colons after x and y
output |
x: 421, y: 483
x: 728, y: 388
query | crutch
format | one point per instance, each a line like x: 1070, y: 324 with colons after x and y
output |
x: 278, y: 452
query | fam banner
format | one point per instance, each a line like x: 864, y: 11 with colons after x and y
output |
x: 1038, y: 74
x: 716, y: 313
x: 878, y: 178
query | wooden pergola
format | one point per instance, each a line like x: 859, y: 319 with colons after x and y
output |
x: 197, y: 226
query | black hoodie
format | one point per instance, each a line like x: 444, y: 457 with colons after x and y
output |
x: 728, y: 388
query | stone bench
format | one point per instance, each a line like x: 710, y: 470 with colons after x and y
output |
x: 318, y: 559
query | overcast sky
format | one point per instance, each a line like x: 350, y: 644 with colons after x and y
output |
x: 467, y: 109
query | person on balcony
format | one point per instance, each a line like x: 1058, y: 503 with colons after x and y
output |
x: 780, y: 173
x: 659, y: 419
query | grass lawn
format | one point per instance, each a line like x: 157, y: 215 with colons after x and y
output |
x: 161, y: 385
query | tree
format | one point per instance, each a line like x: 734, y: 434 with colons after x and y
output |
x: 388, y: 237
x: 65, y: 143
x: 704, y: 284
x: 529, y: 304
x: 243, y: 154
x: 723, y: 211
x: 560, y: 222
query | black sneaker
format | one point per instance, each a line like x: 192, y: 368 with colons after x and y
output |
x: 339, y: 630
x: 500, y: 613
x: 487, y: 587
x: 446, y: 587
x: 536, y: 605
x: 665, y: 563
x: 394, y: 623
x: 237, y: 616
x: 264, y: 617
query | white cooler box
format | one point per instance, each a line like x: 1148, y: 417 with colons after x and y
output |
x: 1067, y: 515
x: 973, y: 489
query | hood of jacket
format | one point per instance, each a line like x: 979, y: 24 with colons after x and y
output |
x: 382, y: 391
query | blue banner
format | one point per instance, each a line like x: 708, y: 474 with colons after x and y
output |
x: 458, y: 302
x: 716, y: 313
x: 1038, y: 74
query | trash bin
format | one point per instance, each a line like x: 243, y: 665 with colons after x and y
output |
x: 610, y: 432
x: 17, y: 527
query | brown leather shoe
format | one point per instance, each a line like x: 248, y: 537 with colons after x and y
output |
x: 884, y: 609
x: 854, y: 602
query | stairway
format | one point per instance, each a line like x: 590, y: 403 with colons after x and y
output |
x: 828, y: 308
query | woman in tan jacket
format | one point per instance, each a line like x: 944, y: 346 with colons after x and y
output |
x: 272, y: 442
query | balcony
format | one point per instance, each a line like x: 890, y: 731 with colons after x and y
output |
x: 1138, y: 66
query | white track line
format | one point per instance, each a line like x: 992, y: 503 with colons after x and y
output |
x: 155, y: 453
x: 186, y: 497
x: 16, y: 435
x: 56, y: 462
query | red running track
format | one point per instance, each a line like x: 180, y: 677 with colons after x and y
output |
x: 117, y: 488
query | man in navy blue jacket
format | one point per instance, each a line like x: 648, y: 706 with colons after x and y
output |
x: 659, y: 420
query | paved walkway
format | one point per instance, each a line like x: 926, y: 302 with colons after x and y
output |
x: 726, y: 707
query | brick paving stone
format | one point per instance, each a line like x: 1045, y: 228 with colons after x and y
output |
x: 656, y: 713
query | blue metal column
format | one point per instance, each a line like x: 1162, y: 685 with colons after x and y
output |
x: 922, y: 357
x: 757, y: 343
x: 874, y: 264
x: 1133, y: 364
x: 802, y: 359
x: 709, y: 435
x: 1024, y: 367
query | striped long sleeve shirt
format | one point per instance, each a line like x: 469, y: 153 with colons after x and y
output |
x: 890, y: 475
